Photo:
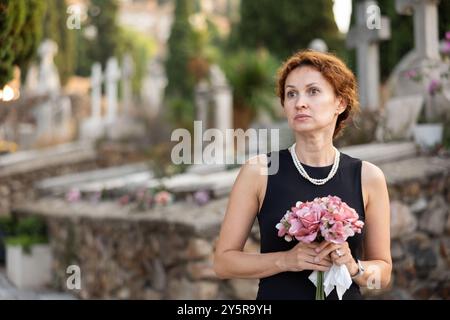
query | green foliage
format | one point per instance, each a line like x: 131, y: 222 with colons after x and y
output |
x: 285, y: 26
x: 102, y: 17
x: 55, y: 28
x: 20, y: 34
x: 252, y: 76
x: 180, y: 81
x: 105, y: 45
x: 141, y: 48
x: 27, y: 232
x: 7, y: 225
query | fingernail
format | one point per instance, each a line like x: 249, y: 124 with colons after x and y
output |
x: 317, y: 249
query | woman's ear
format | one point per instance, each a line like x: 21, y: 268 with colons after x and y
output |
x: 341, y: 106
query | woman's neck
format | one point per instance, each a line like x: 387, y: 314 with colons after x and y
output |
x: 315, y: 151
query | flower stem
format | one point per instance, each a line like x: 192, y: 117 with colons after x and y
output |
x: 319, y: 287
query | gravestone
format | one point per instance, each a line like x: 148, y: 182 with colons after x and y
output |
x: 318, y: 45
x: 153, y: 87
x: 48, y: 78
x: 93, y: 127
x: 112, y: 76
x: 399, y: 118
x: 127, y: 74
x: 369, y: 30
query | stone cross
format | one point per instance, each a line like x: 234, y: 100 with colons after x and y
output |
x: 112, y: 77
x: 127, y: 74
x: 48, y: 79
x: 426, y: 36
x: 201, y: 102
x: 96, y: 90
x: 153, y: 86
x: 223, y: 99
x: 370, y: 29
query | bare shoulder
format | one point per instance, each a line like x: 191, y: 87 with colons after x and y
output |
x: 256, y: 165
x: 372, y: 176
x: 253, y: 175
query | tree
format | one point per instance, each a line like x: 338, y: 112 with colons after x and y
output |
x: 105, y: 44
x: 20, y: 34
x: 286, y: 26
x: 55, y: 28
x: 180, y: 88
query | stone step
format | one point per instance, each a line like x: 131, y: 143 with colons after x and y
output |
x: 382, y: 152
x: 31, y: 160
x: 96, y: 180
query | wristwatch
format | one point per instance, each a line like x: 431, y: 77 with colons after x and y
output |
x: 360, y: 269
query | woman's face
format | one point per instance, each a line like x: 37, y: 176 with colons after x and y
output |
x: 310, y: 103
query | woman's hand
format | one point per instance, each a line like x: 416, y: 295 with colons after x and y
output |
x: 340, y: 254
x: 301, y: 257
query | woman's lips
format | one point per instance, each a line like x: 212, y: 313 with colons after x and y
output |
x: 301, y: 117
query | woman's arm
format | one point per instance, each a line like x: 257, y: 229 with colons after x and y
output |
x: 245, y: 201
x: 377, y: 238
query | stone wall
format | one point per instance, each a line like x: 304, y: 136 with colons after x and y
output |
x: 167, y: 253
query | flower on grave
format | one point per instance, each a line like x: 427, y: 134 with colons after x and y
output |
x: 144, y: 199
x: 445, y: 49
x: 201, y: 197
x: 163, y: 198
x: 124, y: 200
x: 73, y: 195
x: 435, y: 86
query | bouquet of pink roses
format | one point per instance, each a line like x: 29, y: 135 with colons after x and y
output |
x: 325, y: 218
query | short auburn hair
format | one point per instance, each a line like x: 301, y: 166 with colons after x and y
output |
x: 333, y: 70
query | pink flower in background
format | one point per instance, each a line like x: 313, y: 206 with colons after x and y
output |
x: 73, y: 195
x: 163, y: 198
x: 447, y: 35
x: 434, y: 87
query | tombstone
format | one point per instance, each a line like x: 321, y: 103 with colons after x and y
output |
x: 223, y: 99
x: 93, y: 127
x: 201, y: 102
x: 127, y: 74
x: 426, y: 37
x: 369, y: 30
x: 318, y: 45
x: 153, y: 87
x: 112, y: 76
x: 399, y: 118
x: 96, y: 90
x: 48, y: 79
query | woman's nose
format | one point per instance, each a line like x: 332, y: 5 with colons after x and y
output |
x: 301, y: 102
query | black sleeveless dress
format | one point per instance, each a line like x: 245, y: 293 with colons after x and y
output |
x: 284, y: 189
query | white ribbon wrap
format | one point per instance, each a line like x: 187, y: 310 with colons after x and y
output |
x: 337, y: 276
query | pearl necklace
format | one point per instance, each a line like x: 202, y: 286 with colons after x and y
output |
x: 305, y: 175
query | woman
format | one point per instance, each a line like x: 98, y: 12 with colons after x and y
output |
x: 318, y: 93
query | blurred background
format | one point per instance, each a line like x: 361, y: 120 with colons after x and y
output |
x: 92, y: 204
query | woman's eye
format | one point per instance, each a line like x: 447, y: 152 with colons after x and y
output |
x: 314, y: 91
x: 291, y: 94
